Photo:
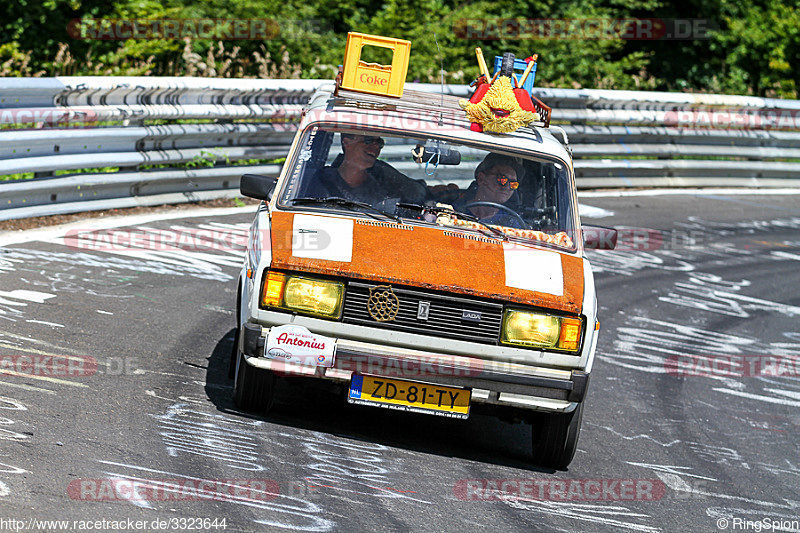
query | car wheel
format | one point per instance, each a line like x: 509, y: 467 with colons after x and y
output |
x: 235, y: 348
x: 234, y: 355
x: 555, y: 437
x: 254, y: 388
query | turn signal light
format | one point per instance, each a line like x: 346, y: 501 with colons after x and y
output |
x: 273, y: 289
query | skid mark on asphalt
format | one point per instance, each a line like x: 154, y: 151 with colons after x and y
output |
x: 288, y: 512
x: 187, y: 430
x: 5, y: 371
x: 204, y: 247
x: 635, y: 437
x: 77, y: 282
x: 355, y: 469
x: 49, y: 233
x: 760, y: 397
x: 7, y: 405
x: 47, y: 259
x: 673, y: 478
x: 26, y: 387
x: 656, y: 347
x: 44, y: 323
x: 789, y: 468
x: 712, y: 293
x: 627, y: 263
x: 615, y: 516
x: 13, y: 304
x: 694, y: 241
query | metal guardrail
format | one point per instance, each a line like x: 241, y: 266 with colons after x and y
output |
x: 619, y: 138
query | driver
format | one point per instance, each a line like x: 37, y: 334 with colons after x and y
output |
x: 357, y: 174
x: 496, y: 181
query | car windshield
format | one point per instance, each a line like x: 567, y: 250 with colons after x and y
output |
x: 418, y: 179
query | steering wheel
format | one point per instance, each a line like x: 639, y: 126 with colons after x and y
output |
x: 502, y: 207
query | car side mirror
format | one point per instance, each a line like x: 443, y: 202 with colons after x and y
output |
x: 599, y: 237
x: 258, y: 186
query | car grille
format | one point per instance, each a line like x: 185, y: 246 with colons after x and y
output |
x: 445, y: 318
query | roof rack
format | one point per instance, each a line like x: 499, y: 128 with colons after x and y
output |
x: 428, y: 101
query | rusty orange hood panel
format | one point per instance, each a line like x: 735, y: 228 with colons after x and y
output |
x: 426, y: 257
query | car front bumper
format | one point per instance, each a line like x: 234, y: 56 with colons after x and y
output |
x: 492, y: 382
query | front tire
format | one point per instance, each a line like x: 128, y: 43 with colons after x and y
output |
x: 234, y: 354
x: 555, y: 437
x: 254, y: 388
x: 235, y: 348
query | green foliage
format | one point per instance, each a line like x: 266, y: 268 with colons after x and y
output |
x: 763, y: 48
x: 18, y: 176
x: 100, y: 170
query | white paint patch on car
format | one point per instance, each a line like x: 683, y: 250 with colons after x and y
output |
x: 533, y: 270
x: 315, y: 237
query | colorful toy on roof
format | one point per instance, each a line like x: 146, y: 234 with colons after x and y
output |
x: 500, y: 104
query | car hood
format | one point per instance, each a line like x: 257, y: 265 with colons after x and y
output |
x: 435, y: 258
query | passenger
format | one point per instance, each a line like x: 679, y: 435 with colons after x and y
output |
x: 497, y: 178
x: 357, y: 174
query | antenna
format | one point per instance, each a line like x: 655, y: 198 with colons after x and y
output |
x: 441, y: 73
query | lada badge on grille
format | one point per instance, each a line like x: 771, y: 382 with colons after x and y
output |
x: 382, y: 304
x: 470, y: 316
x: 423, y: 310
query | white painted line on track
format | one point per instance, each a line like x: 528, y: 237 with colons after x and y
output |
x: 590, y: 211
x: 686, y: 192
x: 26, y: 387
x: 5, y: 371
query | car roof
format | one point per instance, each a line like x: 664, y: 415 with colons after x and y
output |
x: 426, y: 112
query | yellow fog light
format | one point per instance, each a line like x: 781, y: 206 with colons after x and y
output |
x: 538, y: 330
x: 314, y: 296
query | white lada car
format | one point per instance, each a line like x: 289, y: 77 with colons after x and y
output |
x: 424, y: 266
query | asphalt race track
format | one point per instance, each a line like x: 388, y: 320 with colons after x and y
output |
x: 691, y: 424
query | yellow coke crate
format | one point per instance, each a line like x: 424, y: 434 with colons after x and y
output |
x: 375, y: 78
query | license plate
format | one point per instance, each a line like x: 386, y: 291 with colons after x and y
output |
x: 411, y: 396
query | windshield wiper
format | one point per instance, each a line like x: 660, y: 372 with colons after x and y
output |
x: 344, y: 202
x: 437, y: 209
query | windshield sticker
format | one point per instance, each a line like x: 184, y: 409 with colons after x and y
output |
x: 533, y: 270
